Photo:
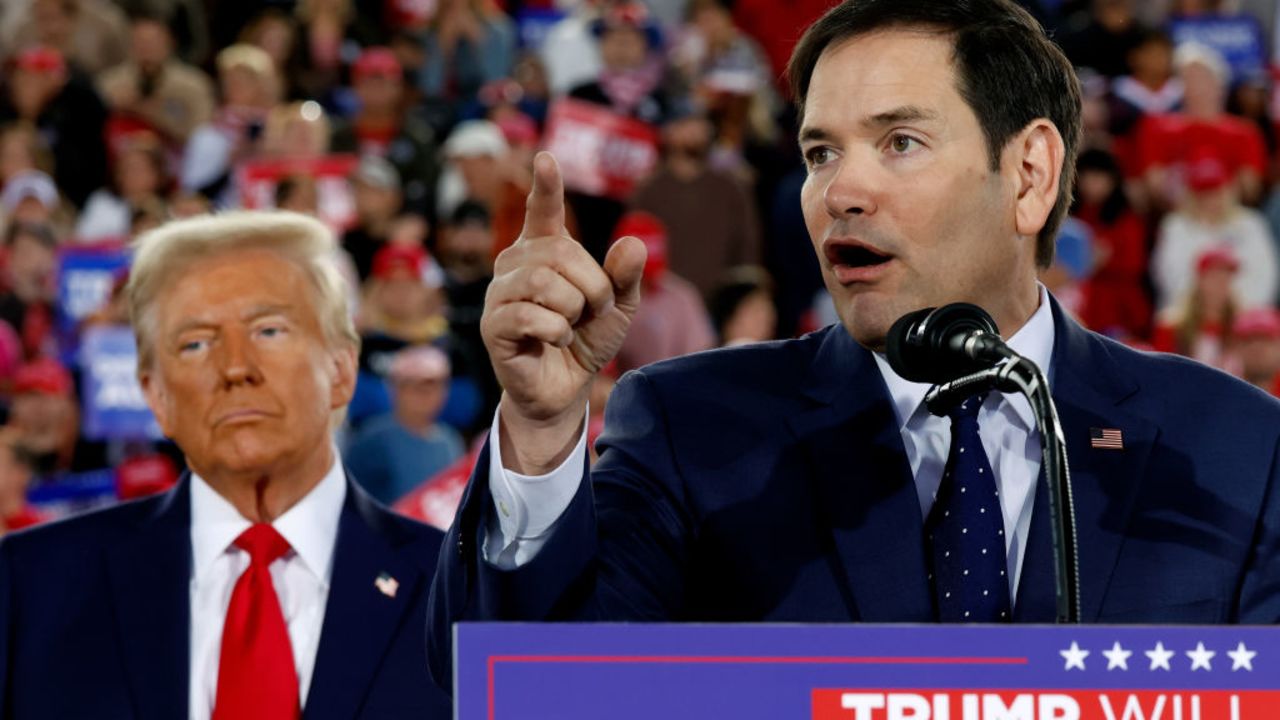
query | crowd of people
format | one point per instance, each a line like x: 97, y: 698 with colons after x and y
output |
x: 409, y: 128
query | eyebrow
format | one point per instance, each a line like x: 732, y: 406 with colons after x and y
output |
x: 254, y: 313
x: 896, y: 116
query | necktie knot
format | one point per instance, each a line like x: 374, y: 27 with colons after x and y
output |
x: 263, y: 543
x: 967, y: 410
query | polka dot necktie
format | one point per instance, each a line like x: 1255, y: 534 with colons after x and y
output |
x: 964, y: 532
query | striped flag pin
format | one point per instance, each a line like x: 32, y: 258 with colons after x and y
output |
x: 1106, y: 439
x: 387, y: 585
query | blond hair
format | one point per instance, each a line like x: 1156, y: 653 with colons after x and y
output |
x: 162, y: 254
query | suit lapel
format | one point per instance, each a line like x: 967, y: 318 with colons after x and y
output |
x: 150, y: 586
x: 363, y: 614
x: 1089, y: 389
x: 865, y: 494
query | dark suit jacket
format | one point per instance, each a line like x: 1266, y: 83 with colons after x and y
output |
x: 94, y: 616
x: 770, y: 483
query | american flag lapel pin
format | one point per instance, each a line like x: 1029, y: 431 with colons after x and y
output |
x: 1106, y: 439
x: 387, y: 585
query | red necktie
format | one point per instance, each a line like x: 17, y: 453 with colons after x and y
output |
x: 256, y: 674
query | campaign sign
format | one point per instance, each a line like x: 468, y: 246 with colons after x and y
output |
x: 335, y: 203
x: 534, y: 24
x: 1237, y: 37
x: 86, y: 275
x: 114, y: 407
x: 600, y: 152
x: 865, y: 672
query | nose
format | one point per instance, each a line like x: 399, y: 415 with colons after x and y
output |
x: 238, y: 361
x: 850, y: 189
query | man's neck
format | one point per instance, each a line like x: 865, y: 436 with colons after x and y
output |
x: 264, y: 495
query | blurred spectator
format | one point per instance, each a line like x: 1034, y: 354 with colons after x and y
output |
x: 92, y: 34
x: 729, y: 75
x: 710, y: 219
x: 1167, y: 143
x: 632, y: 66
x: 42, y: 91
x: 672, y: 319
x: 383, y: 127
x: 1219, y: 24
x: 1150, y: 88
x: 1257, y: 338
x: 249, y: 89
x: 32, y: 197
x: 468, y: 44
x: 1199, y: 325
x: 1115, y: 301
x: 17, y: 470
x: 776, y: 25
x: 139, y: 175
x: 399, y: 302
x: 465, y: 252
x: 22, y: 149
x: 1102, y: 38
x: 1213, y: 217
x: 376, y: 188
x: 569, y: 52
x: 1250, y: 97
x: 478, y: 166
x: 47, y: 419
x: 155, y: 85
x: 30, y: 270
x: 296, y: 130
x: 742, y: 307
x: 392, y: 455
x: 1073, y: 260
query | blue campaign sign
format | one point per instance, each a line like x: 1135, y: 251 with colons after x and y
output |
x: 86, y: 275
x: 1237, y: 37
x: 865, y: 672
x: 113, y: 404
x: 533, y: 24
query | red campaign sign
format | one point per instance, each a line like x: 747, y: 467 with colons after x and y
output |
x: 337, y: 208
x: 600, y: 152
x: 913, y: 704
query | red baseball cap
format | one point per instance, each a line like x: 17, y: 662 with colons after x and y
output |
x: 41, y: 58
x: 1222, y: 257
x: 653, y: 233
x: 1261, y: 322
x: 377, y: 61
x: 393, y: 259
x: 44, y: 375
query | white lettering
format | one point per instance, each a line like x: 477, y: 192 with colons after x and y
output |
x: 862, y: 704
x: 1133, y: 708
x: 1022, y: 708
x: 907, y: 707
x: 1058, y: 707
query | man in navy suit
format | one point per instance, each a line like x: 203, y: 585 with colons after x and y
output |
x: 267, y: 584
x: 804, y: 480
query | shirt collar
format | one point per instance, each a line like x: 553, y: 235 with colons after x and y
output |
x: 1034, y: 341
x: 310, y: 526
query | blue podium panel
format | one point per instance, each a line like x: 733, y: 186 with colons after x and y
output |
x: 510, y: 671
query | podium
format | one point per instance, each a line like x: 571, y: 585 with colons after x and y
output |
x: 520, y: 671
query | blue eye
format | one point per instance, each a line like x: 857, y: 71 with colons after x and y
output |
x: 192, y: 346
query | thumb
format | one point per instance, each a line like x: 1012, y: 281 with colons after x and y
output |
x: 625, y: 267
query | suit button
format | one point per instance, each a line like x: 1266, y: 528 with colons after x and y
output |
x: 462, y: 547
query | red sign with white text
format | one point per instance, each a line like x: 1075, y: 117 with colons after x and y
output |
x: 335, y: 202
x: 912, y: 704
x: 600, y: 152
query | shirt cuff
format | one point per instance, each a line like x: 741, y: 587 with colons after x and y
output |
x: 527, y: 507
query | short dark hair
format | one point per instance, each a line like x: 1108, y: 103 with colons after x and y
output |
x: 471, y: 212
x: 1008, y: 71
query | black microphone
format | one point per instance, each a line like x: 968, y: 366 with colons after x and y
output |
x: 938, y: 345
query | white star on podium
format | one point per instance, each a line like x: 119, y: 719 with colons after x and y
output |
x: 1117, y: 657
x: 1200, y: 657
x: 1242, y: 657
x: 1159, y: 657
x: 1074, y: 656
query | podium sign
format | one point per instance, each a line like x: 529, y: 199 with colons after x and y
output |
x: 505, y: 671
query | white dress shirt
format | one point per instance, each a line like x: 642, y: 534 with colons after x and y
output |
x: 301, y: 577
x: 528, y: 507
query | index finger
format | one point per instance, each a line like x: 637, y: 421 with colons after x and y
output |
x: 544, y: 208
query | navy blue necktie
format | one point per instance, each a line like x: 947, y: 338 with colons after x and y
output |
x: 965, y: 530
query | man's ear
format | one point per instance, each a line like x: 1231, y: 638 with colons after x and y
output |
x: 343, y: 386
x: 1039, y: 155
x: 157, y: 399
